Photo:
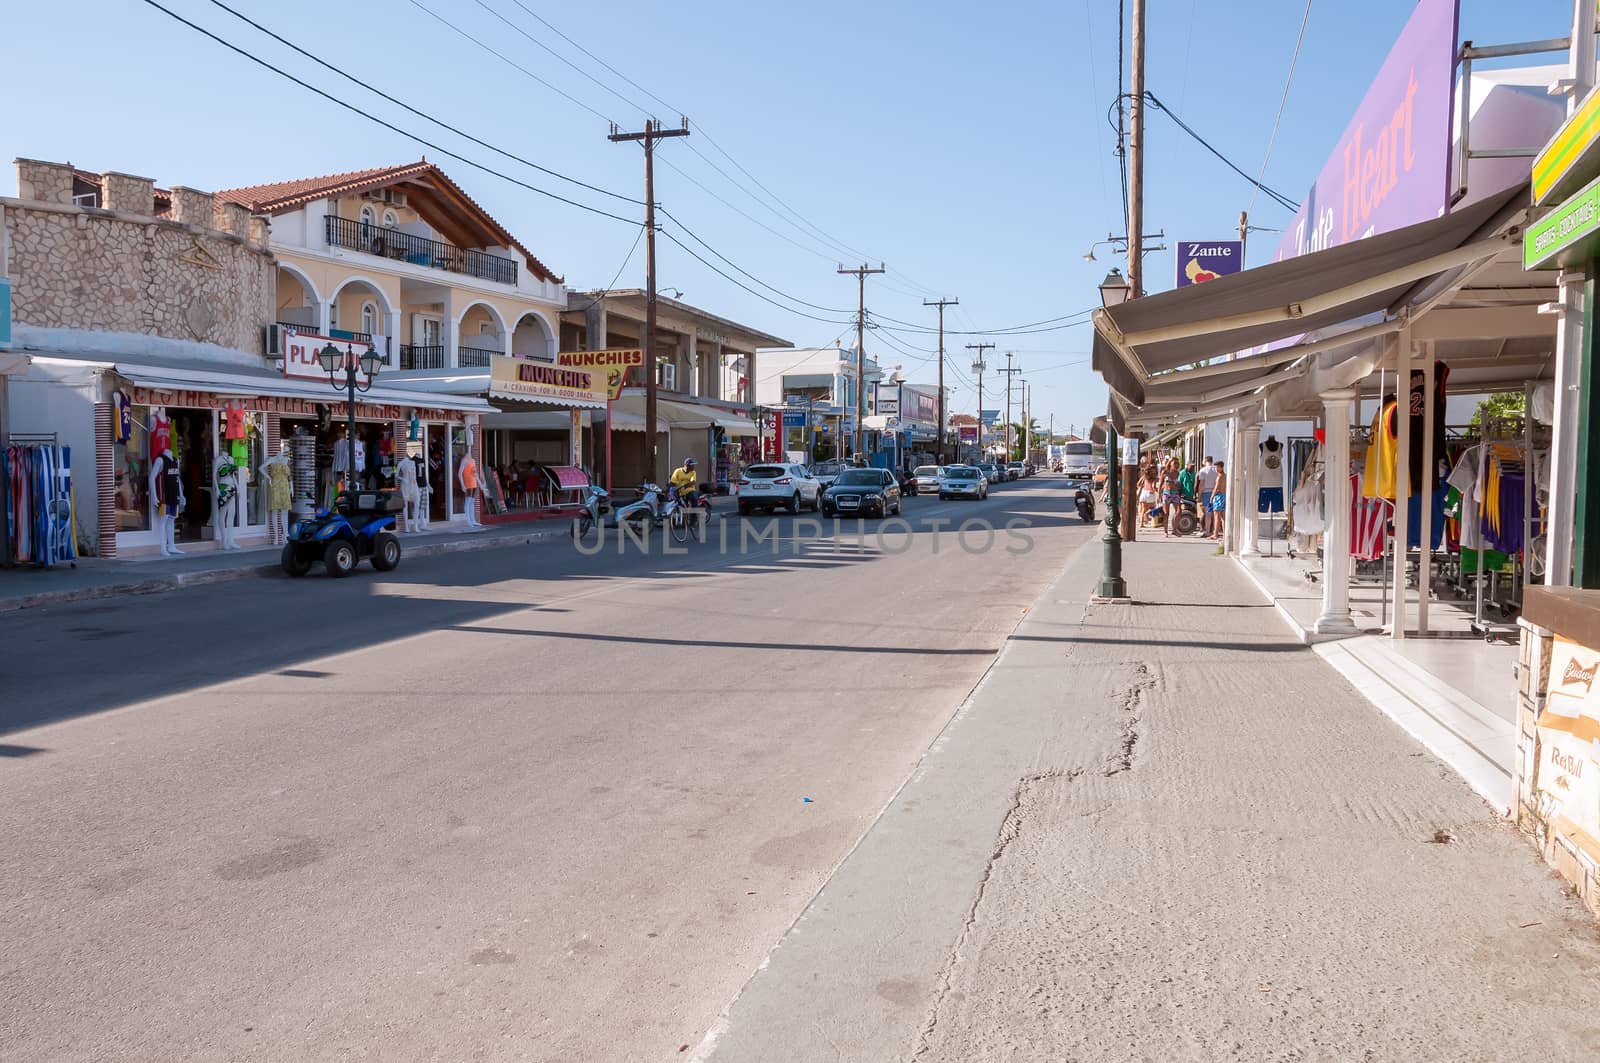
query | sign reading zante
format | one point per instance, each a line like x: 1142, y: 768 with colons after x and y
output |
x: 1200, y: 261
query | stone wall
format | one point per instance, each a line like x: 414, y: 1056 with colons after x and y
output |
x: 117, y: 270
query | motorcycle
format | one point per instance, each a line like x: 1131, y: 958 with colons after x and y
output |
x: 596, y: 504
x: 1083, y: 499
x: 650, y: 507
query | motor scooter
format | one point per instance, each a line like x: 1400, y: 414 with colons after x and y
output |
x: 651, y: 507
x: 1083, y: 499
x: 596, y: 504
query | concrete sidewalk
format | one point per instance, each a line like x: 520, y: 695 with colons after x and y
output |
x: 27, y: 586
x: 1169, y: 831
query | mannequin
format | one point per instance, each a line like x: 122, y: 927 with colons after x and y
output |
x: 1269, y: 493
x: 386, y: 469
x: 225, y: 474
x: 275, y: 473
x: 410, y: 494
x: 424, y: 490
x: 467, y: 480
x: 166, y: 494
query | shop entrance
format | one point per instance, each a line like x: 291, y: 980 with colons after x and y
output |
x: 192, y: 435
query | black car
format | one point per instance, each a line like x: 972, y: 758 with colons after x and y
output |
x: 861, y: 492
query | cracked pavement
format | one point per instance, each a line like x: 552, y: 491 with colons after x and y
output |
x: 1169, y: 832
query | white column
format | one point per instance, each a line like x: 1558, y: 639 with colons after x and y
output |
x: 1564, y: 438
x: 1233, y: 490
x: 1335, y: 618
x: 391, y: 331
x: 1402, y: 476
x: 691, y: 354
x: 1425, y: 491
x: 1250, y: 450
x: 450, y: 333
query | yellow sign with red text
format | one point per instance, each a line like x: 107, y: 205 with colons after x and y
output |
x: 615, y: 364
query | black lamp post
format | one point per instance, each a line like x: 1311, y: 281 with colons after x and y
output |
x: 331, y: 359
x: 1114, y: 291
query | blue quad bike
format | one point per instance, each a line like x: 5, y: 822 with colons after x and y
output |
x: 361, y: 524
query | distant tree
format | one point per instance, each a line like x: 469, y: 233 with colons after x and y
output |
x: 1504, y: 404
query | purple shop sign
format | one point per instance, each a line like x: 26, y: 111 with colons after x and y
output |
x: 1391, y: 167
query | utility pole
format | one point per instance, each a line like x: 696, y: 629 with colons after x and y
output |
x: 978, y: 367
x: 861, y: 273
x: 1244, y: 229
x: 1027, y: 424
x: 1009, y: 371
x: 941, y: 304
x: 1129, y: 529
x: 648, y: 137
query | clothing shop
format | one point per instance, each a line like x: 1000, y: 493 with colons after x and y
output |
x: 175, y: 457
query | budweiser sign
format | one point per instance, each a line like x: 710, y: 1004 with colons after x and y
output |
x: 1576, y: 673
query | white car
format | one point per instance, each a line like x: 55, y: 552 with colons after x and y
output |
x: 963, y: 481
x: 926, y: 479
x: 771, y: 485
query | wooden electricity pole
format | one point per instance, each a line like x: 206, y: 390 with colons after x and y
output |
x: 651, y: 133
x: 978, y: 367
x: 941, y: 304
x: 861, y: 273
x: 1130, y: 521
x: 1009, y: 371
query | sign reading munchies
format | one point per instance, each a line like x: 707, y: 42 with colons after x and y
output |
x: 616, y: 364
x: 519, y: 378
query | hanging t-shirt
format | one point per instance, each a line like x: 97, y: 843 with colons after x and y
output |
x: 160, y: 433
x: 1271, y: 466
x: 234, y: 427
x: 1383, y: 452
x: 1464, y: 478
x: 122, y: 417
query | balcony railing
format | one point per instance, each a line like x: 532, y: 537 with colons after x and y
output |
x: 336, y: 333
x: 416, y: 356
x: 476, y: 357
x: 417, y: 250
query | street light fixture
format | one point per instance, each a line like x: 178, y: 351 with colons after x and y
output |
x: 332, y: 359
x: 1122, y: 241
x: 1114, y: 290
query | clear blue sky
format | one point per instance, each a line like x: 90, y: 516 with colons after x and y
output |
x: 965, y: 146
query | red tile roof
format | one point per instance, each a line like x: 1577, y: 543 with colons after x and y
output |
x: 279, y: 197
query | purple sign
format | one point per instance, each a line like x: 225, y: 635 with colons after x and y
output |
x: 1206, y: 260
x: 1391, y: 167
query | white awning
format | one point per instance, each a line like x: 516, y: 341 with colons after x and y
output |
x: 270, y: 385
x: 551, y: 420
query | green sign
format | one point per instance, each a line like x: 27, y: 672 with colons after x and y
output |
x: 1567, y: 234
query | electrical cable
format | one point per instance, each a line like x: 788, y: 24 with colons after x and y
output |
x: 642, y: 110
x: 1294, y: 61
x: 778, y: 291
x: 765, y: 298
x: 603, y: 291
x: 1281, y: 199
x: 386, y: 124
x: 420, y: 114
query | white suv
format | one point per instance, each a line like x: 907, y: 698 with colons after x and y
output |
x: 770, y: 485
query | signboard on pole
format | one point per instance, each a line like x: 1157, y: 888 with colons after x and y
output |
x: 1565, y: 236
x: 968, y: 433
x: 519, y: 378
x: 300, y: 351
x: 1206, y: 260
x: 989, y: 417
x: 615, y: 364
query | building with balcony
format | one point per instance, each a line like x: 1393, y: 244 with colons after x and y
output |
x: 402, y: 257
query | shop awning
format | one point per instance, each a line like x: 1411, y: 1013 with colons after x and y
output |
x: 270, y: 385
x: 627, y: 421
x: 1307, y: 296
x: 628, y: 415
x: 568, y: 477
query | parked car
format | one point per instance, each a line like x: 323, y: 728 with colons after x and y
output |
x: 990, y: 471
x: 771, y: 485
x: 1017, y: 470
x: 870, y: 492
x: 925, y: 480
x: 825, y: 472
x: 963, y: 481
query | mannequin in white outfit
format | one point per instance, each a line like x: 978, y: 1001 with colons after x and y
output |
x: 410, y: 495
x: 277, y: 519
x: 225, y: 513
x: 166, y: 494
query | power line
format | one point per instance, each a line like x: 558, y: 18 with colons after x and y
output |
x: 603, y: 291
x: 512, y: 62
x: 420, y: 114
x: 386, y: 124
x: 642, y: 110
x: 1281, y: 199
x: 1294, y: 61
x: 691, y: 233
x: 765, y: 298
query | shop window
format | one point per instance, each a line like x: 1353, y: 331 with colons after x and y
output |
x: 132, y: 462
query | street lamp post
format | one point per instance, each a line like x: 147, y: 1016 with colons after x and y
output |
x: 1114, y: 291
x: 331, y: 358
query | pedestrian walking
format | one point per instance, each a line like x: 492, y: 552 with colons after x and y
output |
x: 1205, y: 484
x: 1186, y: 483
x: 1219, y: 503
x: 1149, y: 494
x: 1171, y: 497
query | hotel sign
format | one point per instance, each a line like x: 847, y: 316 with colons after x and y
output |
x: 519, y: 378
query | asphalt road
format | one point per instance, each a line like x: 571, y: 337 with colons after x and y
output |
x: 520, y: 804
